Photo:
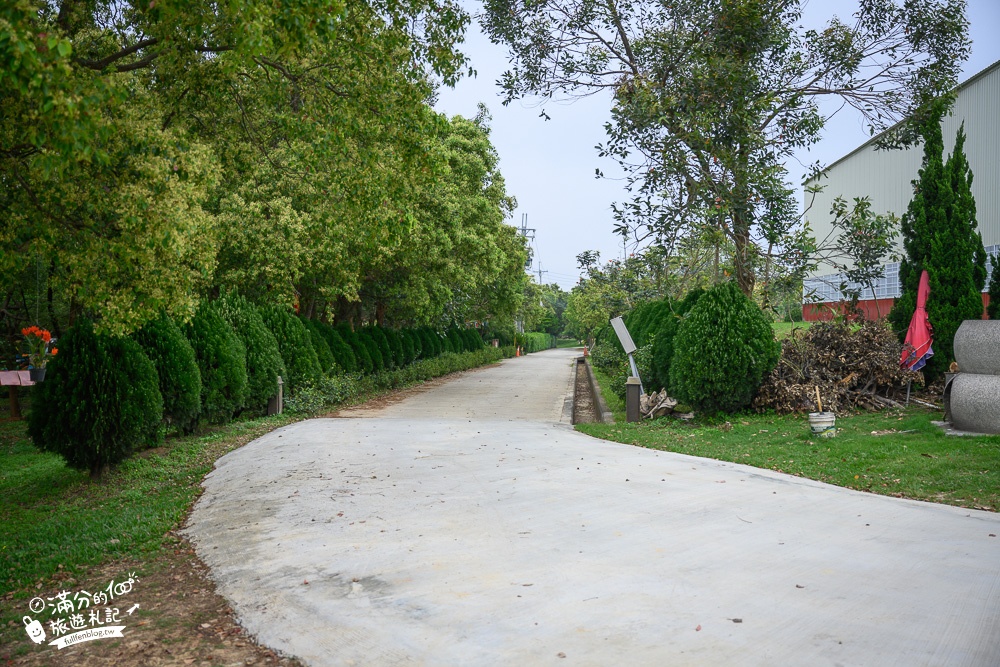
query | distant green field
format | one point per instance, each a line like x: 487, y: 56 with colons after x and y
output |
x: 568, y: 342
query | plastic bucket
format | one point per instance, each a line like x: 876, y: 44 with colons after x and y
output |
x: 823, y: 424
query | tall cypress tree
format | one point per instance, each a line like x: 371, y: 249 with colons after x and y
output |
x: 940, y: 235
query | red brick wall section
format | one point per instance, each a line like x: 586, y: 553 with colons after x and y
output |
x: 873, y: 309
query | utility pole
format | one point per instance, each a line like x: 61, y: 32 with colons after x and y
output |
x: 539, y: 271
x: 529, y: 234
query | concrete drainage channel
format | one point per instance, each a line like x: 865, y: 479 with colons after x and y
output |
x: 588, y: 403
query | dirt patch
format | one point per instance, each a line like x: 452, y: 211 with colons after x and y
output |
x: 181, y: 620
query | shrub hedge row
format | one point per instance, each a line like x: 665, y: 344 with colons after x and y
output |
x: 535, y: 341
x: 106, y: 396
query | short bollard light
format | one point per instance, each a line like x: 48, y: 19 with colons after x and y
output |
x: 633, y: 389
x: 275, y: 403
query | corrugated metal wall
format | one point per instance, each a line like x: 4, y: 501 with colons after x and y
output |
x: 885, y: 176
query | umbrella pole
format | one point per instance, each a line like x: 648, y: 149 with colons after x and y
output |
x: 908, y: 383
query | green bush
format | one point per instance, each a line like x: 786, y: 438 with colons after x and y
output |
x: 99, y: 401
x: 295, y: 345
x: 378, y: 361
x: 430, y: 343
x: 222, y: 362
x: 377, y: 334
x: 263, y: 358
x: 456, y: 339
x: 411, y: 346
x: 320, y: 395
x: 343, y: 354
x: 538, y: 341
x: 396, y: 345
x: 177, y: 370
x: 364, y: 360
x: 475, y: 341
x: 662, y: 351
x: 327, y: 391
x: 722, y: 352
x: 327, y: 362
x: 503, y: 333
x: 447, y: 347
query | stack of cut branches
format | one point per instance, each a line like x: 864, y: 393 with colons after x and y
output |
x: 855, y: 366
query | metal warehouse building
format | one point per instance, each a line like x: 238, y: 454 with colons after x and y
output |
x: 885, y: 178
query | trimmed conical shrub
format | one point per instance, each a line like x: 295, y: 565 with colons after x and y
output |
x: 428, y: 345
x: 324, y: 354
x: 99, y: 401
x: 263, y: 359
x: 396, y: 346
x: 378, y: 362
x: 179, y: 379
x: 411, y: 346
x: 364, y: 360
x: 377, y: 334
x: 342, y: 352
x: 457, y: 341
x: 723, y: 350
x: 295, y: 345
x: 222, y: 361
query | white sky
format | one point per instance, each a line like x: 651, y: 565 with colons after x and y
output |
x: 549, y: 165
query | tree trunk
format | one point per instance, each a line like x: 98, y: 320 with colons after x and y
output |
x: 743, y: 260
x: 344, y: 312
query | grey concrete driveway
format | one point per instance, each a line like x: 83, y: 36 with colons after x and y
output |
x: 468, y: 525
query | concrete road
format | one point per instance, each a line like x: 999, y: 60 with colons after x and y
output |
x: 468, y: 525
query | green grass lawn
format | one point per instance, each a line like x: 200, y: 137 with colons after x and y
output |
x: 895, y: 452
x: 53, y: 517
x: 782, y: 329
x: 568, y: 342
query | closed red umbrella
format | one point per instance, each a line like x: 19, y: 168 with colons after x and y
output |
x: 917, y: 346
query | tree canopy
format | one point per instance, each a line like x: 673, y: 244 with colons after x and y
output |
x: 153, y: 155
x: 711, y: 97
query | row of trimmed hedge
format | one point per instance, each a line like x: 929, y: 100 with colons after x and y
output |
x: 535, y: 341
x: 106, y: 396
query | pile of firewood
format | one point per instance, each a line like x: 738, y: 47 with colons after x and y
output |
x: 854, y: 366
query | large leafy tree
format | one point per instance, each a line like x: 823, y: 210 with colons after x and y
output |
x: 711, y: 97
x: 459, y: 261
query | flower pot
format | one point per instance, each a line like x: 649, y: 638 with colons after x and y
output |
x: 36, y: 374
x: 823, y: 424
